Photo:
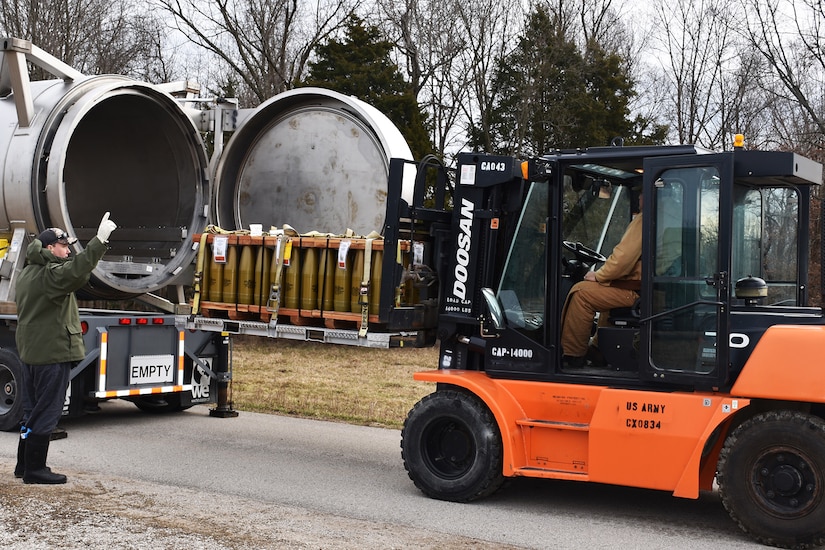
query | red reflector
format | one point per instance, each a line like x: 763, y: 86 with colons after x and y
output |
x: 142, y: 321
x: 125, y: 321
x: 157, y: 321
x: 84, y: 327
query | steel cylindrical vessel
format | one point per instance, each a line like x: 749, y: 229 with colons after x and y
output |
x: 108, y: 143
x: 311, y: 158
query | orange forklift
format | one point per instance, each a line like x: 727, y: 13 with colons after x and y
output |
x: 716, y: 373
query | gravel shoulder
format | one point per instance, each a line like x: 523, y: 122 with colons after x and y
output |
x: 93, y: 510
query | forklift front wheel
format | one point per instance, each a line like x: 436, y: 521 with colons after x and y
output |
x: 771, y: 476
x: 451, y: 447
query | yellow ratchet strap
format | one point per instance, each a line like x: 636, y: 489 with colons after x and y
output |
x: 199, y: 273
x: 364, y: 298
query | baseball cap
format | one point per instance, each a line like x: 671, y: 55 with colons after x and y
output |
x: 55, y: 235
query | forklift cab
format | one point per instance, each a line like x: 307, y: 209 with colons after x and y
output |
x: 709, y: 220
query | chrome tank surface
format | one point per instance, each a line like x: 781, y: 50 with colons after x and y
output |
x: 107, y: 143
x: 311, y: 158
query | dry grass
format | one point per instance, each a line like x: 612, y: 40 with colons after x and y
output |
x: 331, y: 382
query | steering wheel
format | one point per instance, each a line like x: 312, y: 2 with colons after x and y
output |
x: 582, y: 252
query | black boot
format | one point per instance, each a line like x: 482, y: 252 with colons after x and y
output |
x: 37, y: 449
x: 21, y: 454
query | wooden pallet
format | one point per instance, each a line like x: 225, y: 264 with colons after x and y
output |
x: 234, y: 312
x: 299, y: 317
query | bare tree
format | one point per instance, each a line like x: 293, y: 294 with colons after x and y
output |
x: 696, y: 50
x: 264, y: 44
x: 601, y: 22
x: 161, y: 65
x: 94, y: 36
x: 489, y: 28
x: 790, y: 36
x: 450, y: 50
x: 745, y: 107
x: 431, y: 54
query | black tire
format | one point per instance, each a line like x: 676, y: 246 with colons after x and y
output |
x: 771, y: 476
x: 11, y: 390
x: 451, y: 447
x: 163, y: 403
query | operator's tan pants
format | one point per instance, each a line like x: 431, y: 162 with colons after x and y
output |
x: 583, y: 301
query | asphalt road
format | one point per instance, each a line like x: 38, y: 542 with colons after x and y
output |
x: 356, y: 472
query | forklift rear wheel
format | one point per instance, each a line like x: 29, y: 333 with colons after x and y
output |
x: 451, y: 447
x: 11, y: 390
x: 771, y: 476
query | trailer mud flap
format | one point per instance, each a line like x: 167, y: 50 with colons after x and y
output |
x: 164, y: 373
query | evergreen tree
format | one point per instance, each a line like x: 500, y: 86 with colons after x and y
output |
x: 360, y: 65
x: 553, y: 95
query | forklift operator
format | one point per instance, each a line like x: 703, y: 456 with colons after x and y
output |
x: 615, y: 284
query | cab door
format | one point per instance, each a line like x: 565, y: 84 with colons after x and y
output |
x: 686, y: 270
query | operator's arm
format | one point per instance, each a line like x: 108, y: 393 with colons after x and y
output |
x: 625, y: 255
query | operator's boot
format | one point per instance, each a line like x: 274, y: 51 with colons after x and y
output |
x: 21, y: 452
x: 37, y: 449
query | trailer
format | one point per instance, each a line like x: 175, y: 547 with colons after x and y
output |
x: 136, y: 356
x: 77, y: 145
x: 74, y: 146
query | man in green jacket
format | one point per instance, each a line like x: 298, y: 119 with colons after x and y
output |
x: 49, y: 338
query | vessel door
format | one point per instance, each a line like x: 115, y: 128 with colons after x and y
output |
x: 686, y: 266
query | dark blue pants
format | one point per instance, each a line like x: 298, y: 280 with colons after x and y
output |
x: 43, y: 395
